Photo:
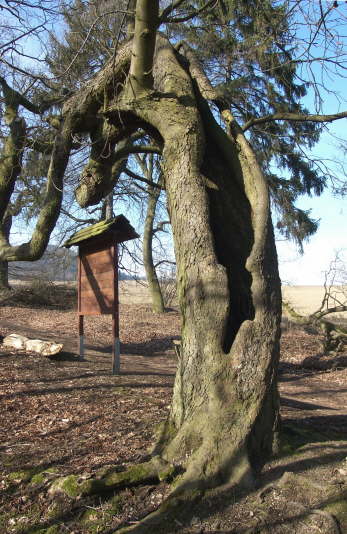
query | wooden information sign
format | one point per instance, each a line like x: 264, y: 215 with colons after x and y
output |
x: 98, y: 275
x: 97, y: 279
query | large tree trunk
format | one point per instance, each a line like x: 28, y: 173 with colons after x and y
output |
x: 4, y: 284
x: 151, y: 275
x: 224, y: 411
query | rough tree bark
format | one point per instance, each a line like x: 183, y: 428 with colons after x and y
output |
x: 10, y: 168
x: 224, y: 414
x: 225, y: 408
x: 4, y: 282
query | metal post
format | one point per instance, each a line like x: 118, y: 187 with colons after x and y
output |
x: 81, y: 336
x: 115, y: 317
x: 116, y: 355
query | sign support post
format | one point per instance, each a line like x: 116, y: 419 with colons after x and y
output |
x: 81, y: 337
x: 115, y: 317
x: 98, y: 276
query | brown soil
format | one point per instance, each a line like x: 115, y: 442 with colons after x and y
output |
x: 60, y: 416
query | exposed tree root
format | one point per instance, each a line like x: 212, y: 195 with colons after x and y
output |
x: 151, y: 472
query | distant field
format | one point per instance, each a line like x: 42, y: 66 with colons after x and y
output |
x: 131, y: 292
x: 304, y: 299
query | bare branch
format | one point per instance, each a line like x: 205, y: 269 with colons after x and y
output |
x: 141, y: 179
x: 298, y: 117
x: 160, y: 226
x: 137, y: 149
x: 76, y: 219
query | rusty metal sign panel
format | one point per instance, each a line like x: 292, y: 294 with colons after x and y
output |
x: 97, y: 280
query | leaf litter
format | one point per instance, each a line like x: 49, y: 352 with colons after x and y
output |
x: 60, y: 416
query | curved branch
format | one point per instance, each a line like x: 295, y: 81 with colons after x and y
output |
x: 169, y: 9
x: 77, y: 219
x: 13, y: 96
x: 49, y: 213
x: 335, y: 309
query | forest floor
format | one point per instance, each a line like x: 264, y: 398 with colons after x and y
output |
x: 60, y: 416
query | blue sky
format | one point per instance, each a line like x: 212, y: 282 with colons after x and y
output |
x: 329, y: 209
x: 308, y: 269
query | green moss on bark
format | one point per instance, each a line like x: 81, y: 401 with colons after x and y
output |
x: 152, y: 471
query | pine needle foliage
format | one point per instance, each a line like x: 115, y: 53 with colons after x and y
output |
x: 248, y: 51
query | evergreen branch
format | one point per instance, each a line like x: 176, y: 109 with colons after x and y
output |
x: 88, y: 35
x: 191, y: 15
x: 168, y: 10
x: 296, y: 117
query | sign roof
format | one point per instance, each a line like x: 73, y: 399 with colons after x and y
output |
x: 119, y: 228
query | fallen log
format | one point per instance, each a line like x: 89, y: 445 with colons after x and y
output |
x: 46, y: 348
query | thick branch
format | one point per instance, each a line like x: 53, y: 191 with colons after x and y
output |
x: 146, y: 24
x: 16, y: 98
x: 11, y: 154
x: 95, y: 181
x: 334, y: 336
x: 294, y: 117
x: 49, y: 213
x: 336, y: 309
